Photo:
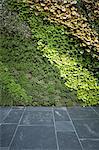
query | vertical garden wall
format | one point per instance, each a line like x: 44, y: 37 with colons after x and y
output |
x: 49, y: 52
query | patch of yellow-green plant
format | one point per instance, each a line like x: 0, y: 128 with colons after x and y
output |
x: 76, y: 77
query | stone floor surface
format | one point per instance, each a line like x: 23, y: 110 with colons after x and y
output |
x: 49, y: 128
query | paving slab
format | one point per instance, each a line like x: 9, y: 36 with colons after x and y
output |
x: 14, y: 115
x: 96, y: 109
x: 34, y: 137
x: 68, y: 141
x: 31, y: 108
x: 4, y: 148
x: 49, y: 128
x: 37, y: 117
x: 61, y: 114
x: 6, y: 134
x: 79, y: 113
x: 3, y: 112
x: 64, y: 126
x: 87, y: 128
x: 90, y: 144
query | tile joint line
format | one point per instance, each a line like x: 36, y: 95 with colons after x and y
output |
x: 75, y: 130
x: 16, y: 128
x: 6, y: 115
x: 55, y: 130
x: 94, y: 111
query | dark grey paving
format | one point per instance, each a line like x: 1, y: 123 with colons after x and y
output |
x: 6, y: 134
x: 87, y: 128
x: 30, y: 108
x: 40, y: 125
x: 3, y: 112
x: 82, y: 113
x: 35, y: 138
x: 18, y: 107
x: 68, y: 141
x: 14, y: 115
x: 64, y: 126
x: 61, y: 114
x: 96, y: 109
x: 90, y: 144
x: 37, y: 117
x: 4, y: 148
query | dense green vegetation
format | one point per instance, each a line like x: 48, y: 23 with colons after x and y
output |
x: 44, y: 65
x: 67, y: 13
x: 29, y: 77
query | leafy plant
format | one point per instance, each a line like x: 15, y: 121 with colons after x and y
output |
x: 12, y: 87
x: 62, y: 51
x: 46, y: 65
x: 77, y: 78
x: 67, y: 14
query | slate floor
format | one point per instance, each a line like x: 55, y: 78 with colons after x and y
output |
x: 39, y: 128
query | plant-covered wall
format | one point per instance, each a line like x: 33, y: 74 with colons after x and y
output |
x: 43, y: 61
x: 64, y: 54
x: 90, y: 8
x: 13, y: 88
x: 65, y: 12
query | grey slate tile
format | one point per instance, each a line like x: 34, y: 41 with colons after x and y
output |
x: 82, y: 113
x: 3, y: 112
x: 90, y: 144
x: 34, y: 138
x: 6, y: 134
x: 4, y: 148
x: 64, y: 126
x: 68, y: 141
x: 14, y: 116
x: 18, y: 107
x: 31, y: 108
x: 37, y: 117
x: 61, y: 114
x: 37, y: 126
x: 87, y: 128
x: 96, y: 109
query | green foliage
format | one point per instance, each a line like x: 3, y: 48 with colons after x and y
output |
x: 48, y: 67
x: 91, y: 10
x: 64, y: 52
x: 32, y: 74
x: 76, y: 78
x: 12, y: 87
x: 67, y: 14
x: 58, y: 38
